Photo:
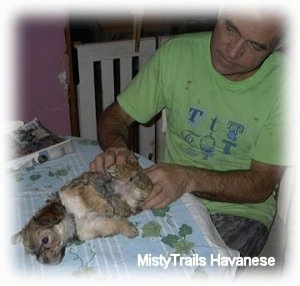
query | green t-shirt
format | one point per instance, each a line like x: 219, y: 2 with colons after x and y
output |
x: 212, y: 122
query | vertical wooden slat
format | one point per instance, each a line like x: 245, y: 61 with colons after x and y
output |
x: 86, y: 104
x: 72, y: 97
x: 107, y: 77
x: 159, y: 139
x: 125, y: 72
x: 147, y: 142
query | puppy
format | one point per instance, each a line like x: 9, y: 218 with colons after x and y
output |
x: 91, y: 205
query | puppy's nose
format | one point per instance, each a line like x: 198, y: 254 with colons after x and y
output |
x: 46, y: 260
x: 43, y: 259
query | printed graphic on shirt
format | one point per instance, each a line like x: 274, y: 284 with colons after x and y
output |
x: 204, y: 142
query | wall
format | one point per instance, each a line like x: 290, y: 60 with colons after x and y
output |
x: 41, y: 58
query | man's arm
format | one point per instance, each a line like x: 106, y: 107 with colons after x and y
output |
x: 249, y: 186
x: 113, y: 135
x: 113, y: 127
x: 246, y: 186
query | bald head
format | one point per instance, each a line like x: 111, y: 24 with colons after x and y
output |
x: 269, y: 22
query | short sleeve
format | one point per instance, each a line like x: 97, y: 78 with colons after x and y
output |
x: 143, y: 98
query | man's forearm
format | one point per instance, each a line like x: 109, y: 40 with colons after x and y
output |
x: 231, y: 186
x: 112, y: 135
x: 113, y: 128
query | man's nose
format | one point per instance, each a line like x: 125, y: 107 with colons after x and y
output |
x: 235, y: 48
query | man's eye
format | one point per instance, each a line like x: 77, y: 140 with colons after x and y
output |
x: 254, y: 46
x: 231, y: 30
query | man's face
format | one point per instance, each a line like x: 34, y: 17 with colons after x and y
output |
x: 240, y: 44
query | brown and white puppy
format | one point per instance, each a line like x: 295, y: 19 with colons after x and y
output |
x: 91, y: 205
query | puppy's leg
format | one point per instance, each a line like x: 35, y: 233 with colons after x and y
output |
x: 103, y: 226
x: 121, y: 208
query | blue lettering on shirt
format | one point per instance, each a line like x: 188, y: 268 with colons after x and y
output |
x: 205, y: 143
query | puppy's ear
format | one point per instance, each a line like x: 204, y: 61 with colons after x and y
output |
x: 134, y: 163
x: 133, y: 160
x: 17, y: 238
x: 50, y: 215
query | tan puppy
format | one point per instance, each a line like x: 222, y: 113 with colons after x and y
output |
x: 92, y: 205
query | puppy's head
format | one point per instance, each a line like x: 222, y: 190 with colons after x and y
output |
x: 130, y: 181
x: 45, y: 235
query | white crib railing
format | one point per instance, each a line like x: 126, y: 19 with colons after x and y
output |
x: 103, y: 57
x: 105, y: 70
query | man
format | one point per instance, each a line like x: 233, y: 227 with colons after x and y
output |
x: 223, y: 97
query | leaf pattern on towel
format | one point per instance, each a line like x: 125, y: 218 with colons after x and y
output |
x: 177, y: 241
x: 151, y: 229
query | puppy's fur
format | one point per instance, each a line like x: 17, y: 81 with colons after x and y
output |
x: 92, y: 205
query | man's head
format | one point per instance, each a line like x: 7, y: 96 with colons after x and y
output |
x: 242, y: 41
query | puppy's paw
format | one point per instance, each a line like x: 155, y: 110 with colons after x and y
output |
x: 129, y: 230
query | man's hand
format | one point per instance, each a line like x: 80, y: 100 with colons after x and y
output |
x: 169, y: 183
x: 111, y: 155
x: 241, y: 186
x: 113, y: 134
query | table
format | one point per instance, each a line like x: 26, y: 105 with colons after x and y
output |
x: 181, y: 232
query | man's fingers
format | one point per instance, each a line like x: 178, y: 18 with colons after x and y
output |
x: 156, y: 197
x: 157, y: 202
x: 97, y: 165
x: 110, y: 156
